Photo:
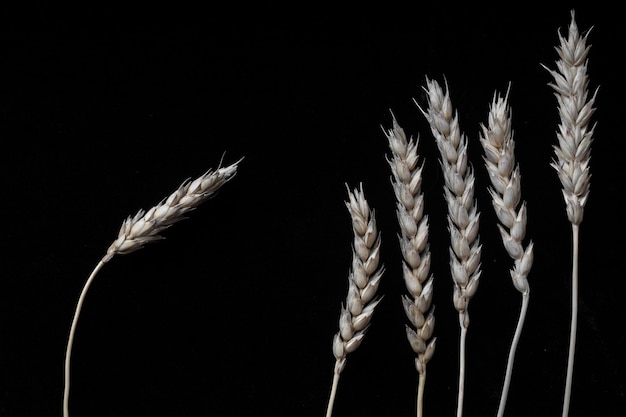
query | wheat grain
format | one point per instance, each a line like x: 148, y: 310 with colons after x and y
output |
x: 573, y: 154
x: 144, y: 228
x: 406, y: 172
x: 463, y: 215
x: 363, y: 281
x: 504, y: 173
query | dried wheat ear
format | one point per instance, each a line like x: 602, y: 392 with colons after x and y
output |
x: 145, y: 227
x: 406, y: 180
x: 363, y: 281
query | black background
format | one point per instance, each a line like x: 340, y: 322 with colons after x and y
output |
x: 105, y: 111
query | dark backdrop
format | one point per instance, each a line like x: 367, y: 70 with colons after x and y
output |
x: 106, y: 111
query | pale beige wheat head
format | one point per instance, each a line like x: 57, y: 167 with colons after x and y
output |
x: 406, y: 170
x: 363, y: 279
x: 146, y: 226
x: 573, y: 152
x: 506, y: 193
x: 463, y: 215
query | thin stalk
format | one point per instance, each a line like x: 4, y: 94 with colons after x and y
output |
x: 420, y: 392
x: 509, y: 365
x: 459, y: 410
x: 70, y: 341
x: 574, y: 320
x: 333, y: 394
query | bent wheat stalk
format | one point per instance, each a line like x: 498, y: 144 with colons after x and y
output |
x: 504, y: 173
x: 407, y: 186
x: 144, y: 227
x: 573, y: 154
x: 363, y: 281
x: 463, y: 215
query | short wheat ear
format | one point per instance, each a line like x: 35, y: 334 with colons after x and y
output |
x: 406, y: 170
x: 463, y: 215
x: 573, y: 155
x: 506, y: 193
x: 145, y: 227
x: 363, y: 282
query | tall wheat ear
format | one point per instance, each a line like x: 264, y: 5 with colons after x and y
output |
x: 406, y: 179
x: 573, y: 154
x: 463, y: 215
x: 506, y: 193
x: 363, y: 281
x: 145, y: 227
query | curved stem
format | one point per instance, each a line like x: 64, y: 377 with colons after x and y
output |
x: 509, y: 365
x: 333, y: 393
x: 70, y: 341
x: 459, y: 410
x: 574, y: 319
x: 420, y: 391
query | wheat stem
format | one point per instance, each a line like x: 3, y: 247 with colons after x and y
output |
x: 420, y: 392
x: 511, y: 358
x: 333, y: 393
x: 574, y: 319
x: 462, y: 349
x: 70, y: 341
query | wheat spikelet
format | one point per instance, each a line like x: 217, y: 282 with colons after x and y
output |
x: 145, y: 227
x: 363, y: 282
x: 463, y: 215
x: 407, y: 183
x: 506, y: 193
x: 573, y: 154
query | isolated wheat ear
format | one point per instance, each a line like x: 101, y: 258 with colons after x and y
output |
x: 406, y: 179
x: 145, y: 227
x: 504, y: 174
x: 573, y: 154
x: 463, y: 215
x: 363, y: 281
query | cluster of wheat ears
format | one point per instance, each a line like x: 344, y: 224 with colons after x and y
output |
x: 571, y: 163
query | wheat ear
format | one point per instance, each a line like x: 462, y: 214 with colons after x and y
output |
x: 463, y: 215
x: 506, y: 193
x: 144, y: 227
x: 406, y: 179
x: 573, y: 154
x: 363, y: 281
